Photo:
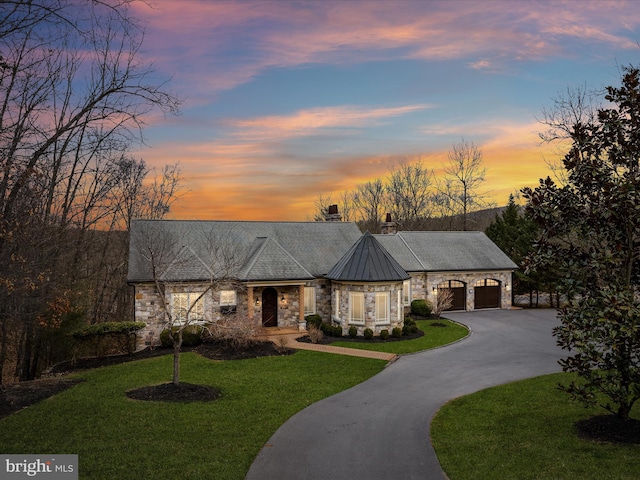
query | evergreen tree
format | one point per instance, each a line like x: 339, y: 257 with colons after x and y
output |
x: 591, y: 237
x: 515, y: 234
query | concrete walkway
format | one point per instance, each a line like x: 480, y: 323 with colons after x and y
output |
x: 379, y: 429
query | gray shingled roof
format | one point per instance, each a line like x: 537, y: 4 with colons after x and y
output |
x: 184, y: 250
x: 296, y: 250
x: 271, y: 261
x: 367, y: 261
x: 445, y: 251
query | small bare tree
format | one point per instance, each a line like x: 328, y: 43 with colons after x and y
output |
x: 443, y: 301
x: 207, y: 255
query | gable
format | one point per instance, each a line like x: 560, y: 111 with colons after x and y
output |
x: 270, y: 261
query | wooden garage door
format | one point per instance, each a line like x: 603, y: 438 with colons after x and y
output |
x: 459, y: 298
x: 487, y: 293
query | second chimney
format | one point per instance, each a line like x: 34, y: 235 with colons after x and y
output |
x: 388, y: 226
x: 333, y: 215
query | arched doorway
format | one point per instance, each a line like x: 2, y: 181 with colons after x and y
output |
x: 269, y: 307
x: 487, y: 293
x: 459, y: 300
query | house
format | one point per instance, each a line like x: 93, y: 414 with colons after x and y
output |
x: 277, y: 273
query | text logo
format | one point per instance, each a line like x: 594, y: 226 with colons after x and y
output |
x: 50, y: 467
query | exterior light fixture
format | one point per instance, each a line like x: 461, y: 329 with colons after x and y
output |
x: 507, y: 287
x: 282, y: 299
x: 435, y: 290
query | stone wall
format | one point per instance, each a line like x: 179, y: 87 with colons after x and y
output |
x: 396, y: 319
x: 432, y: 280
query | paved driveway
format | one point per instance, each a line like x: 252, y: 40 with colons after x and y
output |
x: 379, y: 430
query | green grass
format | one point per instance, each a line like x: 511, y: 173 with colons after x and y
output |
x: 525, y: 430
x: 433, y: 337
x: 119, y: 438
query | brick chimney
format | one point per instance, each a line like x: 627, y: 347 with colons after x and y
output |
x: 388, y: 227
x: 333, y: 215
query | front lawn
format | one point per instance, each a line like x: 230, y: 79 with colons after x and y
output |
x: 525, y: 430
x: 434, y: 336
x: 119, y: 438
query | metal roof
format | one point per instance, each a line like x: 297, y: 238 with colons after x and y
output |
x: 367, y: 261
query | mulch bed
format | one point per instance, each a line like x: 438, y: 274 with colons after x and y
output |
x: 610, y: 429
x: 17, y: 396
x: 20, y: 395
x: 168, y: 392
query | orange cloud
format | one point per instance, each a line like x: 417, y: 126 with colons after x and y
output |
x: 306, y: 122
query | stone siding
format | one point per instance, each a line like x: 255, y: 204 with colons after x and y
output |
x: 396, y: 316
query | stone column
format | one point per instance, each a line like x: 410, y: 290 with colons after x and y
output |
x: 250, y: 303
x: 302, y: 325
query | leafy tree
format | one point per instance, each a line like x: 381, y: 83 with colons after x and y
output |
x: 590, y: 234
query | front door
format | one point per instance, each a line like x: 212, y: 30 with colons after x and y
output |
x: 269, y: 307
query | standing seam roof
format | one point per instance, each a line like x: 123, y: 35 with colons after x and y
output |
x: 367, y: 261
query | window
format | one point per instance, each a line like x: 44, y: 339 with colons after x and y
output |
x: 488, y: 282
x: 406, y: 292
x: 382, y: 307
x: 336, y: 305
x: 400, y: 309
x: 356, y: 307
x: 227, y: 298
x: 187, y: 306
x: 309, y: 300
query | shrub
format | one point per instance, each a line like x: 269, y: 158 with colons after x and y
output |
x: 409, y: 326
x: 315, y: 334
x: 409, y: 329
x: 236, y: 331
x: 409, y: 321
x: 421, y: 307
x: 315, y: 320
x: 384, y: 334
x: 192, y: 335
x: 331, y: 330
x: 368, y: 333
x: 353, y: 331
x: 108, y: 336
x: 396, y: 332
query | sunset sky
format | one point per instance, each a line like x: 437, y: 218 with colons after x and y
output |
x: 285, y: 101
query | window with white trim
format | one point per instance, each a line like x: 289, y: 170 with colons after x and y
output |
x: 228, y: 298
x: 400, y: 309
x: 309, y: 300
x: 336, y: 304
x: 406, y: 292
x: 187, y: 306
x: 356, y: 308
x: 382, y: 307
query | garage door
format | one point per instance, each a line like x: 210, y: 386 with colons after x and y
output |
x: 459, y: 301
x: 487, y: 293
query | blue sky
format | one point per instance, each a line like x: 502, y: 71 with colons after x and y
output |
x: 285, y: 101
